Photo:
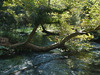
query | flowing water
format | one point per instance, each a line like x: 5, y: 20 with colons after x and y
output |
x: 52, y: 63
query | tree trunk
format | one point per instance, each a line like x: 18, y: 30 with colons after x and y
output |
x: 50, y: 47
x: 28, y: 39
x: 48, y: 3
x: 47, y: 48
x: 31, y: 34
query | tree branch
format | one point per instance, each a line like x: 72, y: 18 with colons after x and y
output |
x: 56, y: 45
x: 16, y: 45
x: 53, y: 46
x: 31, y: 34
x: 47, y: 32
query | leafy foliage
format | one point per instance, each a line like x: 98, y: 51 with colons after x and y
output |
x: 68, y: 16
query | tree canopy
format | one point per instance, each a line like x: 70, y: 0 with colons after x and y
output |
x: 74, y: 20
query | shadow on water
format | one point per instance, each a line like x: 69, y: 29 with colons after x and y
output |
x: 51, y: 63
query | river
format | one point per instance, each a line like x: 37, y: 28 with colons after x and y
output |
x: 52, y: 63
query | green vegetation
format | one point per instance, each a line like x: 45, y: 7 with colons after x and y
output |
x: 69, y: 23
x: 50, y: 37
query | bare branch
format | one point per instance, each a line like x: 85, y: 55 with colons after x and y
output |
x: 16, y: 45
x: 31, y: 34
x: 53, y: 46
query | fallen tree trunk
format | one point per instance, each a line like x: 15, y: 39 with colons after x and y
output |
x: 47, y: 48
x: 50, y: 47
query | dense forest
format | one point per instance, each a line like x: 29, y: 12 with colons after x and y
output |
x: 68, y: 25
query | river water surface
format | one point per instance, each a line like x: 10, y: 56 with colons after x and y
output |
x: 53, y: 63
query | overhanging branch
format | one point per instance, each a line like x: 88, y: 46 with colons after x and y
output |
x: 31, y: 34
x: 53, y: 46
